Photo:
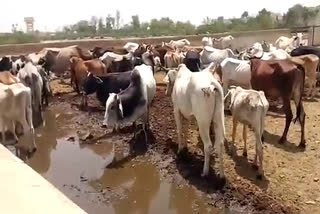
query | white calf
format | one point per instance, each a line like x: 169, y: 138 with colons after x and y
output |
x: 200, y: 95
x: 15, y: 106
x: 250, y: 108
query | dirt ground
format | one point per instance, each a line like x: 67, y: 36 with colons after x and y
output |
x: 291, y: 183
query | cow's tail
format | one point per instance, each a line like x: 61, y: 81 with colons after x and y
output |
x: 300, y: 110
x: 218, y: 113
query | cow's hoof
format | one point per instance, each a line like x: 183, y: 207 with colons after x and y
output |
x: 302, y: 144
x: 245, y: 154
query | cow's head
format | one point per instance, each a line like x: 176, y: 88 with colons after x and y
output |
x: 91, y: 83
x: 114, y: 110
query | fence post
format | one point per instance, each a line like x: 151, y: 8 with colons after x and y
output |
x: 313, y: 27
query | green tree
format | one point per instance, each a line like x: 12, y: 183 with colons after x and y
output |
x: 101, y: 26
x: 264, y: 19
x: 135, y: 22
x: 244, y: 15
x: 110, y: 21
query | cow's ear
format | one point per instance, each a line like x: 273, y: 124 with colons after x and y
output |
x: 120, y: 107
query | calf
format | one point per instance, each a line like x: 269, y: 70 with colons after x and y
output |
x: 104, y: 85
x: 250, y: 108
x: 7, y: 78
x: 133, y: 102
x: 15, y: 106
x: 281, y: 78
x: 209, y: 55
x: 200, y: 95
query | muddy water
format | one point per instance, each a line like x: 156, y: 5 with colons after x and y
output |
x: 80, y: 172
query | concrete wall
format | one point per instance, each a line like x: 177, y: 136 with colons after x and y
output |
x: 242, y: 40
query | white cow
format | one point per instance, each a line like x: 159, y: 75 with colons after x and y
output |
x: 15, y: 106
x: 257, y: 51
x: 179, y: 44
x: 235, y: 72
x: 250, y: 108
x: 31, y: 78
x: 223, y: 42
x: 206, y: 41
x: 132, y: 103
x: 131, y: 47
x: 210, y: 54
x: 289, y: 44
x: 172, y: 59
x: 200, y: 95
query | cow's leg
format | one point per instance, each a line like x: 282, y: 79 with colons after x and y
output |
x: 288, y: 112
x: 3, y: 134
x: 225, y: 86
x: 204, y: 134
x: 145, y: 126
x: 244, y: 135
x: 13, y: 130
x: 177, y: 118
x: 234, y: 129
x: 259, y: 152
x: 300, y: 115
x: 134, y: 130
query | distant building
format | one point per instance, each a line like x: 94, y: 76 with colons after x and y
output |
x: 29, y: 24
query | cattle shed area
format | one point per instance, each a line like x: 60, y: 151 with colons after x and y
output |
x: 242, y: 40
x: 105, y: 172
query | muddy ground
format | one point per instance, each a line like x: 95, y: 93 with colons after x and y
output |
x: 131, y: 176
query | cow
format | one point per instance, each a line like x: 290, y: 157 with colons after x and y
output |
x: 48, y: 61
x: 133, y: 102
x: 209, y: 55
x: 117, y: 63
x: 80, y: 69
x: 310, y: 64
x: 46, y: 88
x: 222, y: 42
x: 5, y: 64
x: 15, y: 106
x: 7, y: 78
x: 303, y: 50
x: 200, y: 95
x: 235, y: 72
x: 256, y: 51
x: 160, y: 52
x: 131, y: 47
x: 173, y: 58
x: 98, y: 52
x: 192, y: 60
x: 281, y: 78
x: 179, y: 44
x: 104, y: 85
x: 31, y: 78
x: 250, y: 108
x: 288, y: 44
x: 207, y: 41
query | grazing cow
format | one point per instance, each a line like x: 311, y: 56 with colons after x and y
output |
x: 15, y: 106
x: 206, y: 41
x: 5, y: 64
x: 303, y: 50
x: 104, y: 85
x: 234, y: 72
x: 172, y: 59
x: 281, y: 78
x: 7, y: 78
x: 310, y: 64
x: 133, y: 102
x: 223, y: 42
x: 248, y: 107
x: 209, y: 55
x: 80, y: 69
x: 198, y: 94
x: 192, y: 60
x: 287, y: 44
x: 31, y: 78
x: 256, y: 51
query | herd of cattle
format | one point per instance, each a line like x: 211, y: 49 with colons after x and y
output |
x: 202, y: 81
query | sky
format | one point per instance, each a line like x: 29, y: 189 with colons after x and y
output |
x: 53, y: 15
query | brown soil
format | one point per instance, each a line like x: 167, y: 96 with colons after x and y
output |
x: 290, y: 185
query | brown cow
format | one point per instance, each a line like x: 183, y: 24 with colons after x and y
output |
x: 7, y: 78
x: 310, y: 64
x: 80, y: 69
x: 281, y: 78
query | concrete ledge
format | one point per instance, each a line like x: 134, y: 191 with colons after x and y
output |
x: 24, y: 191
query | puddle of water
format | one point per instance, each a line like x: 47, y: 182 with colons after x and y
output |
x: 79, y: 172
